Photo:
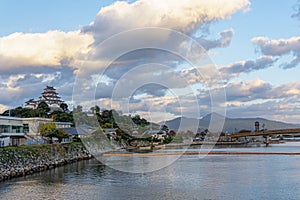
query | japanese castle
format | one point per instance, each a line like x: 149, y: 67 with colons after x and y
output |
x: 49, y: 96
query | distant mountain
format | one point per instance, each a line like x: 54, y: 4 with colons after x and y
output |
x: 183, y: 122
x: 231, y: 124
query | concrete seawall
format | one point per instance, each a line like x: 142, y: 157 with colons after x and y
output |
x: 25, y: 160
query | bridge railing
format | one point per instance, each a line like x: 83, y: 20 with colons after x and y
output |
x: 266, y: 132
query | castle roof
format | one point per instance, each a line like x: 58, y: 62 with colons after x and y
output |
x: 30, y: 101
x: 50, y: 88
x: 49, y: 92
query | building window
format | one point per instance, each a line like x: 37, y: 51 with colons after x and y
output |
x: 25, y: 128
x: 16, y: 129
x: 4, y: 129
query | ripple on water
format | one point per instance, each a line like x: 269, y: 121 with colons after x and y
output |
x: 213, y: 177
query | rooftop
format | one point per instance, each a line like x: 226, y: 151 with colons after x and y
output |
x: 80, y: 130
x: 50, y: 88
x: 30, y: 100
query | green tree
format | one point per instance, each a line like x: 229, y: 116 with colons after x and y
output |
x: 80, y: 117
x: 43, y: 106
x: 140, y: 121
x: 107, y: 117
x: 64, y: 107
x: 164, y: 128
x: 78, y: 108
x: 49, y: 130
x: 178, y: 138
x: 92, y: 110
x: 97, y: 109
x: 60, y: 116
x: 107, y: 125
x: 172, y: 133
x: 60, y: 134
x: 24, y: 112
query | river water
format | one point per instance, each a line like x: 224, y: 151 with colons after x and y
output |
x: 190, y: 177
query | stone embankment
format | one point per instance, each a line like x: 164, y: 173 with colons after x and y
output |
x: 24, y: 160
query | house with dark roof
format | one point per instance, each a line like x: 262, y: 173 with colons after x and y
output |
x: 79, y: 131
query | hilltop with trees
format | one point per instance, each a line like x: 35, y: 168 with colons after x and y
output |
x: 94, y: 117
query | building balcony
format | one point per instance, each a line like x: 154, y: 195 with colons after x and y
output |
x: 12, y: 134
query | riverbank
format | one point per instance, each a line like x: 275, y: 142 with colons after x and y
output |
x: 24, y: 160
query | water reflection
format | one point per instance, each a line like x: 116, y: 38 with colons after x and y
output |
x: 214, y: 177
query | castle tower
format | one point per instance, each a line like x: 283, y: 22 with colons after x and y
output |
x: 50, y: 96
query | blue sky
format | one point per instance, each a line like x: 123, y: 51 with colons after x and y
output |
x: 262, y: 87
x: 41, y: 16
x: 265, y: 18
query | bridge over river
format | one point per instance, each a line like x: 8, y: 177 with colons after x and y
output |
x: 266, y: 133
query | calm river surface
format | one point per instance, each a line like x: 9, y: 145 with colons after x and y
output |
x: 213, y: 177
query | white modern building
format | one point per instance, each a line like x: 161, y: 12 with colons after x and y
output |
x: 17, y: 130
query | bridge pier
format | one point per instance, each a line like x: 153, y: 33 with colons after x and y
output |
x: 267, y: 140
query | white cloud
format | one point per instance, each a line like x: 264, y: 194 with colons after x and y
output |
x: 235, y: 69
x: 259, y: 90
x: 280, y: 47
x: 245, y: 91
x: 277, y: 47
x: 223, y: 41
x: 182, y: 15
x: 3, y: 108
x: 185, y: 16
x: 54, y: 48
x: 57, y: 48
x: 281, y: 110
x: 257, y: 98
